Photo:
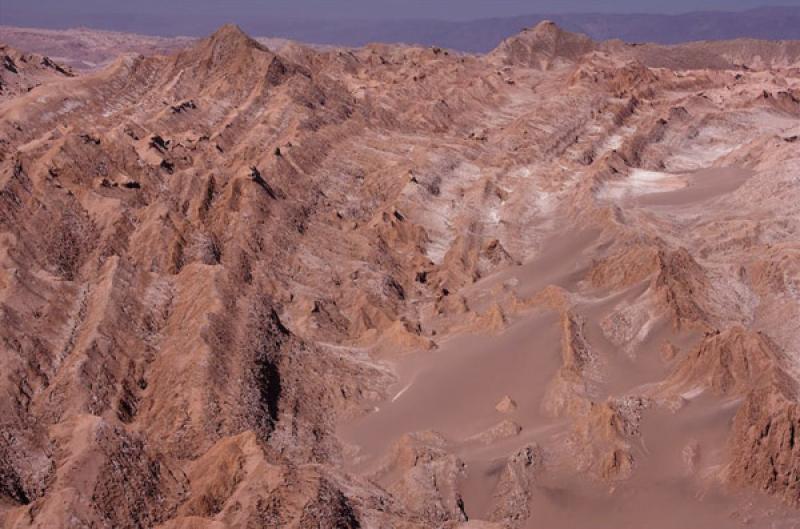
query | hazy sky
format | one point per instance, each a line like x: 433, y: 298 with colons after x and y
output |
x: 28, y: 11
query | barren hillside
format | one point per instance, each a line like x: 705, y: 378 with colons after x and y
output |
x: 553, y: 286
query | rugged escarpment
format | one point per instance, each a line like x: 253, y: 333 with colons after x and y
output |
x: 400, y: 287
x: 728, y: 362
x: 22, y: 72
x: 763, y: 443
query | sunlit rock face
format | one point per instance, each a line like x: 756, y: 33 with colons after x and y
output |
x: 248, y: 286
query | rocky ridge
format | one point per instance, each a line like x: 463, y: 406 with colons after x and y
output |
x: 212, y: 260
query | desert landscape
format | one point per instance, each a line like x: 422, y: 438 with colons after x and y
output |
x: 252, y: 283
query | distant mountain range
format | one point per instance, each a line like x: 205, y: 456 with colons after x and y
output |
x: 774, y: 23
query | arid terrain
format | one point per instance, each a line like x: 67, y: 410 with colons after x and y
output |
x: 84, y: 49
x: 555, y: 286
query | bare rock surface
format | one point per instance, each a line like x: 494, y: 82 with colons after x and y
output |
x: 21, y: 72
x: 506, y: 405
x: 245, y: 285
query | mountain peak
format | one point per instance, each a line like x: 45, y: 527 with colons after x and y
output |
x: 543, y: 44
x: 549, y: 30
x: 229, y: 48
x: 229, y: 30
x: 233, y: 35
x: 546, y: 26
x: 228, y: 56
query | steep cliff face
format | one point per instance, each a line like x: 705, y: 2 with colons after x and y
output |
x: 763, y: 443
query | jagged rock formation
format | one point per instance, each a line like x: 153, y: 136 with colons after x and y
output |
x: 22, y: 72
x: 727, y: 362
x: 571, y: 391
x: 424, y: 472
x: 513, y: 490
x: 764, y: 446
x: 401, y: 287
